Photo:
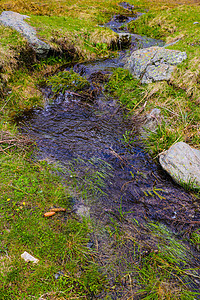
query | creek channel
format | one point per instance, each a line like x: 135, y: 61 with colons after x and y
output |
x: 89, y: 140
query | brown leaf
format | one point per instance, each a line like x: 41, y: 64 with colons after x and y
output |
x: 49, y: 214
x: 58, y: 209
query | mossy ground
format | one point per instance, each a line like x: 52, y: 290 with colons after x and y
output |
x: 29, y: 189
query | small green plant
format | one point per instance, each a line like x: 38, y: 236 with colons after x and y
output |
x: 127, y: 137
x: 67, y: 80
x: 162, y: 139
x: 195, y: 239
x: 155, y: 192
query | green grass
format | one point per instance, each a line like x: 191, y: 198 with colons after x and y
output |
x: 28, y: 190
x: 163, y: 272
x: 125, y: 87
x: 67, y: 80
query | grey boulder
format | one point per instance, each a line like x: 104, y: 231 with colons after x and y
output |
x: 182, y: 162
x: 154, y: 63
x: 16, y: 21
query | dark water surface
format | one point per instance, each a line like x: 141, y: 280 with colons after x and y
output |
x: 70, y: 128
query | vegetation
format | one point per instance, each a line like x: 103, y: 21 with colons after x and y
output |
x: 28, y: 190
x: 68, y: 80
x: 157, y: 269
x: 68, y: 268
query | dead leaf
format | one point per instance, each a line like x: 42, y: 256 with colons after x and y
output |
x: 58, y: 209
x: 49, y: 214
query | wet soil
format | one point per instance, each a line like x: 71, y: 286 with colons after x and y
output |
x: 101, y: 152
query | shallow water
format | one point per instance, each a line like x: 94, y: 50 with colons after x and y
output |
x: 69, y: 129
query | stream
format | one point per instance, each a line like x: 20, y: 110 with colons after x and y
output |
x: 89, y: 139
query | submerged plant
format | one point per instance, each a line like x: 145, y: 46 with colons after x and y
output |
x: 164, y: 273
x: 88, y: 177
x: 195, y: 239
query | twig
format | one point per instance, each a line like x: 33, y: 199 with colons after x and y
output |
x: 16, y: 188
x: 126, y: 184
x: 79, y: 95
x: 3, y: 150
x: 189, y: 222
x: 168, y: 110
x: 117, y: 155
x: 5, y: 104
x: 7, y: 141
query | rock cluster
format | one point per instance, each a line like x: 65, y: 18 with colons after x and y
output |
x: 154, y: 63
x: 16, y: 21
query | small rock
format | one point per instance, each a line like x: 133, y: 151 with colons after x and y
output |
x: 150, y: 123
x: 28, y: 257
x: 58, y: 275
x: 182, y: 162
x: 90, y: 244
x: 82, y: 210
x: 196, y: 23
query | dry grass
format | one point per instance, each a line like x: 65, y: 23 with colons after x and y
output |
x: 5, y: 264
x: 189, y: 79
x: 165, y: 25
x: 169, y: 3
x: 84, y: 8
x: 9, y: 141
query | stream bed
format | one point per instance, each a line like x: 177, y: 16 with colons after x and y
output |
x: 102, y: 153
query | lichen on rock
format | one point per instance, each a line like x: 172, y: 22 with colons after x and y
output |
x: 154, y: 63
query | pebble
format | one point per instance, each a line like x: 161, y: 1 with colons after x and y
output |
x: 28, y: 257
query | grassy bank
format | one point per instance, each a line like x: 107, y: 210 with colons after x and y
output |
x: 68, y: 268
x: 179, y: 98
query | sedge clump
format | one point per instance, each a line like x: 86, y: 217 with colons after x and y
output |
x: 68, y: 80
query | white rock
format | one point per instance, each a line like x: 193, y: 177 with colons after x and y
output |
x: 182, y: 162
x: 28, y: 257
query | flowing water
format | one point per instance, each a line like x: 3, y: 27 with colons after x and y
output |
x: 93, y: 138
